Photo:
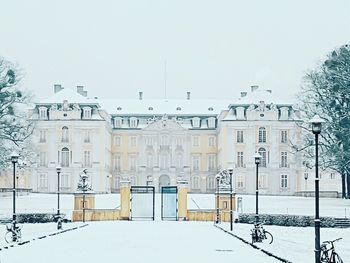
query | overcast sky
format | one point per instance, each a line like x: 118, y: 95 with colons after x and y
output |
x: 215, y: 49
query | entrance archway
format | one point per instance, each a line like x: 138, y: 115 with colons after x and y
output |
x: 164, y: 180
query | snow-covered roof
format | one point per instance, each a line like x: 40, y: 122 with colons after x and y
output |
x: 257, y: 95
x: 159, y: 106
x: 67, y: 94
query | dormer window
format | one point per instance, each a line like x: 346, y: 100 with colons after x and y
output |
x: 86, y: 113
x: 178, y: 108
x: 210, y: 109
x: 133, y: 122
x: 150, y: 108
x: 211, y: 122
x: 43, y: 113
x: 284, y: 113
x: 118, y: 121
x: 196, y: 122
x: 119, y: 108
x: 240, y: 113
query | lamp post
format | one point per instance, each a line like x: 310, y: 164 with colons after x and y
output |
x: 58, y: 170
x: 257, y: 158
x: 230, y: 171
x: 316, y: 123
x: 14, y: 160
x: 84, y: 176
x: 217, y: 198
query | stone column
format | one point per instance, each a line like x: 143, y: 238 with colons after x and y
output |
x: 224, y: 204
x: 125, y: 200
x: 182, y: 199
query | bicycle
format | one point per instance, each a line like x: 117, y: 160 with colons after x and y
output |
x: 13, y: 233
x: 259, y: 234
x: 328, y: 254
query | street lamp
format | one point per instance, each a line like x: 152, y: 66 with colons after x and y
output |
x: 58, y: 170
x: 306, y: 176
x: 257, y: 159
x: 316, y: 123
x: 230, y: 171
x: 217, y: 198
x: 14, y: 160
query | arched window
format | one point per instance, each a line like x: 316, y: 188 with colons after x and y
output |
x: 65, y: 137
x: 262, y: 152
x: 262, y: 134
x: 65, y: 157
x: 179, y: 160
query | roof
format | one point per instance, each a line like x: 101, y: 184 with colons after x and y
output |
x: 254, y: 97
x: 67, y: 94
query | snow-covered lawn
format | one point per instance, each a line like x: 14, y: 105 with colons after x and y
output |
x: 137, y: 241
x: 297, y: 244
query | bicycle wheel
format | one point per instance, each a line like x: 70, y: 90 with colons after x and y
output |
x: 19, y: 235
x: 336, y: 258
x: 8, y: 237
x: 269, y: 237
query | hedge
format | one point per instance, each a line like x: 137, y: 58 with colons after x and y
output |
x: 38, y: 218
x: 286, y: 220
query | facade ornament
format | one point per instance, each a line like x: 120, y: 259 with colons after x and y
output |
x: 76, y: 107
x: 224, y: 179
x: 54, y: 107
x: 65, y: 105
x: 251, y: 107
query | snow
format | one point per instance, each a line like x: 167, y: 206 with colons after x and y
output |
x: 67, y: 94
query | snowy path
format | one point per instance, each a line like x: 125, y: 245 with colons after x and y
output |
x: 138, y: 241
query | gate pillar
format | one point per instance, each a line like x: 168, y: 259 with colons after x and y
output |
x: 182, y: 199
x: 125, y: 200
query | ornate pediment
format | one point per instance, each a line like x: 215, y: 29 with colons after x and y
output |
x: 164, y: 123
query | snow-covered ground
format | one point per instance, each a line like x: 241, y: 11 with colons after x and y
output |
x: 137, y: 241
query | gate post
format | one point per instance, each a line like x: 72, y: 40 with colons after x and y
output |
x: 125, y: 200
x: 182, y: 199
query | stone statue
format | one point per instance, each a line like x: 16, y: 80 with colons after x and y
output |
x: 84, y: 184
x: 76, y: 107
x: 54, y: 107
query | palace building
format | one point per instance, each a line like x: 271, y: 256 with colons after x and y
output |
x: 157, y: 142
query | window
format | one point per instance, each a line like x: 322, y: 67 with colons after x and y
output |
x: 43, y: 113
x: 86, y: 136
x: 87, y: 159
x: 211, y: 182
x: 118, y: 140
x: 240, y: 181
x: 149, y: 141
x: 164, y: 161
x: 195, y: 141
x: 196, y: 122
x: 195, y: 182
x: 284, y: 181
x: 133, y: 141
x: 65, y: 135
x: 239, y: 136
x: 179, y: 160
x: 117, y: 182
x: 65, y: 157
x: 211, y: 122
x: 262, y: 135
x: 117, y: 162
x: 262, y: 181
x: 240, y: 162
x: 262, y: 152
x: 118, y: 121
x: 133, y: 122
x: 179, y: 141
x: 211, y: 141
x: 42, y: 181
x: 149, y: 160
x: 43, y: 161
x: 211, y: 162
x: 332, y: 176
x: 86, y: 113
x: 284, y: 159
x: 164, y: 140
x: 195, y: 163
x: 42, y: 136
x: 284, y: 136
x: 133, y: 180
x: 132, y: 163
x: 65, y: 181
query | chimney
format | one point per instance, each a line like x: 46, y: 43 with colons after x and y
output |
x: 80, y: 90
x: 84, y: 93
x: 188, y: 95
x: 254, y: 88
x: 243, y: 94
x: 57, y: 88
x: 269, y: 90
x: 140, y: 95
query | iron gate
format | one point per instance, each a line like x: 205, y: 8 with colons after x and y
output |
x: 142, y: 202
x: 169, y: 203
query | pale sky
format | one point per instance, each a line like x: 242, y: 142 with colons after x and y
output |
x: 215, y: 49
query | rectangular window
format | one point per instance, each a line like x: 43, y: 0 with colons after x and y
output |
x: 195, y: 163
x: 118, y: 141
x: 64, y: 181
x: 284, y: 159
x: 211, y: 141
x: 43, y: 161
x: 239, y: 136
x: 211, y: 162
x: 262, y: 181
x: 86, y: 136
x: 284, y: 181
x: 117, y: 162
x: 133, y: 141
x: 195, y: 183
x: 240, y: 181
x: 132, y: 163
x: 87, y: 113
x: 195, y: 141
x: 43, y: 113
x: 284, y: 136
x: 42, y: 136
x: 211, y: 182
x: 133, y: 122
x: 42, y: 181
x: 87, y: 159
x: 118, y: 122
x: 240, y: 162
